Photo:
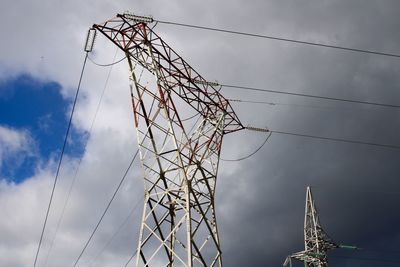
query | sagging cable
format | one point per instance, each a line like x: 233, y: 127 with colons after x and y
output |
x: 255, y: 151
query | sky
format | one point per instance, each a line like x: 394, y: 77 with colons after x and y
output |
x: 259, y: 201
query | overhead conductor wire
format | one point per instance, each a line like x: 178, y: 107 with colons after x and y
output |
x: 60, y: 161
x: 125, y: 221
x: 108, y: 64
x: 280, y: 39
x: 338, y: 139
x: 324, y: 138
x: 130, y: 259
x: 80, y: 159
x: 311, y: 96
x: 278, y: 104
x: 298, y: 42
x: 106, y: 209
x: 112, y: 198
x: 251, y: 154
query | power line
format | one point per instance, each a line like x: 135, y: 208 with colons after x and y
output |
x: 80, y: 159
x: 265, y: 130
x: 106, y: 209
x: 337, y: 139
x: 310, y: 96
x: 308, y: 136
x: 60, y: 160
x: 273, y: 104
x: 125, y: 221
x: 109, y: 64
x: 251, y: 154
x: 130, y: 259
x: 115, y: 192
x: 281, y: 39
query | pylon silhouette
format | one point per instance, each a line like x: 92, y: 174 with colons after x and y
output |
x: 316, y: 241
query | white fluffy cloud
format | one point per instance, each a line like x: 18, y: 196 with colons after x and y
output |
x: 15, y: 145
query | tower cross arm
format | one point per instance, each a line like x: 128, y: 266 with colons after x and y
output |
x: 138, y: 40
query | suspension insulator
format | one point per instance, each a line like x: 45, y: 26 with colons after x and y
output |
x: 206, y: 83
x: 90, y: 38
x: 256, y: 129
x: 144, y: 19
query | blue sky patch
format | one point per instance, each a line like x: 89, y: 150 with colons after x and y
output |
x: 37, y: 106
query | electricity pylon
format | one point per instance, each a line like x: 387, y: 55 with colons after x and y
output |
x: 179, y: 163
x: 316, y: 241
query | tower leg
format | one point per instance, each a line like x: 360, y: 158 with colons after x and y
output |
x: 178, y: 222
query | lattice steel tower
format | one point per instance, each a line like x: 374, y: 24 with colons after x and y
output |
x: 179, y: 157
x: 316, y: 241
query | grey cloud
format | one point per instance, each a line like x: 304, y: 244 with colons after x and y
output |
x: 260, y: 201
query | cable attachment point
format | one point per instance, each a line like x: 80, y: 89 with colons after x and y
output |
x: 90, y: 38
x: 256, y: 129
x: 144, y: 19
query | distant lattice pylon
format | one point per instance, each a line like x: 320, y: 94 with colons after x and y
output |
x: 316, y: 241
x: 179, y: 158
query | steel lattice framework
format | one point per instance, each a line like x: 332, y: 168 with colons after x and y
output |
x: 179, y: 164
x: 316, y: 241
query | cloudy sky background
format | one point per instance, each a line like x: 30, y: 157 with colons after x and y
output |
x: 260, y: 201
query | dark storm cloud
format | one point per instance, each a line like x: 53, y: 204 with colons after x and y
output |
x: 263, y: 200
